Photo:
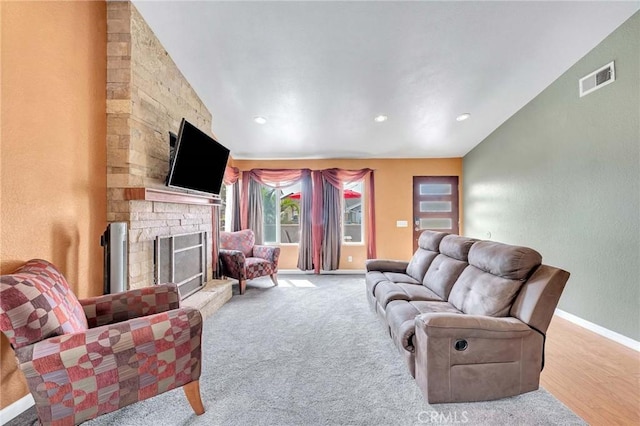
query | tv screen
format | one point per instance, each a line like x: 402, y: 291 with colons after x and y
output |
x: 199, y: 161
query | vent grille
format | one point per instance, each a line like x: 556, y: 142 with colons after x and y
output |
x: 597, y: 79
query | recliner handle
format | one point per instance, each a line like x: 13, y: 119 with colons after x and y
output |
x: 461, y: 345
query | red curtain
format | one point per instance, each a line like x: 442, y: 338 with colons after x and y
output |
x: 231, y: 175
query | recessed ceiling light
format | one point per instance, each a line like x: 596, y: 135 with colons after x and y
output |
x: 380, y: 118
x: 259, y: 119
x: 463, y: 117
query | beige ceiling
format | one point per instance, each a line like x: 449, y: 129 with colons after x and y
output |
x: 319, y: 72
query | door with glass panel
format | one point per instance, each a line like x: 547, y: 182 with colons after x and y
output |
x: 435, y: 205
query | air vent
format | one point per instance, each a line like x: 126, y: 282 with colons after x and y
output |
x: 597, y: 79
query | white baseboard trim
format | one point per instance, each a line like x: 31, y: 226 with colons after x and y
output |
x: 336, y: 272
x: 12, y: 411
x: 604, y: 332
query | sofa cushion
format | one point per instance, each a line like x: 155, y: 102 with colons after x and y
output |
x: 400, y: 278
x: 36, y: 303
x: 456, y: 246
x: 401, y: 319
x: 388, y: 291
x: 442, y: 274
x: 372, y: 279
x: 504, y: 260
x: 428, y: 244
x: 419, y: 263
x: 477, y: 292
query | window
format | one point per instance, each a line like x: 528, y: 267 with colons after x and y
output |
x: 353, y: 201
x: 281, y: 214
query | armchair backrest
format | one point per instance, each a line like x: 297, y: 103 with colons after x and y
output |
x: 239, y: 240
x: 36, y: 303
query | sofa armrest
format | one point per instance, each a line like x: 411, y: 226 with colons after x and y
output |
x: 117, y: 307
x: 164, y: 347
x: 269, y: 253
x: 443, y: 324
x: 386, y: 265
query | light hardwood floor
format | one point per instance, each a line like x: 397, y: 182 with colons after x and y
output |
x: 597, y: 378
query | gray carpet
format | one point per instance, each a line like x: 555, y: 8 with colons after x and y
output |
x: 310, y: 352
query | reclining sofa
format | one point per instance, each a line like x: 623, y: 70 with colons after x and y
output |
x: 469, y: 317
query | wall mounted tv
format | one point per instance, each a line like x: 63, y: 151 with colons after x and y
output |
x: 199, y: 161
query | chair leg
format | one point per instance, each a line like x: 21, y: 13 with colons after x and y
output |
x: 274, y: 278
x: 192, y: 391
x: 243, y: 285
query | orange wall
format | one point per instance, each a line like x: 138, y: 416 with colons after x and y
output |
x: 53, y: 147
x: 394, y: 201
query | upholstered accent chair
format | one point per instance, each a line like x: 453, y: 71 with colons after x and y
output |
x: 243, y: 260
x: 84, y: 358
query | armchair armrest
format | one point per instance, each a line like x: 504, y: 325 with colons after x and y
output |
x: 386, y: 265
x: 117, y: 307
x: 111, y: 366
x: 270, y: 253
x: 444, y: 324
x: 233, y: 263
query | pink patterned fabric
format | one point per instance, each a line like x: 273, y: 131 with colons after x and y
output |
x: 236, y: 263
x: 241, y: 240
x: 118, y: 307
x: 147, y: 346
x: 36, y: 302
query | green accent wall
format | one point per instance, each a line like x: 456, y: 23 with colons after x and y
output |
x: 562, y: 176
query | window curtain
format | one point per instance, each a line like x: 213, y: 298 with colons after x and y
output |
x: 216, y: 269
x: 272, y: 178
x: 335, y: 177
x: 235, y: 207
x: 305, y: 250
x: 232, y: 177
x: 312, y: 206
x: 332, y: 226
x: 254, y: 210
x: 316, y: 220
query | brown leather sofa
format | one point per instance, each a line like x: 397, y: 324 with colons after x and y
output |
x: 469, y: 317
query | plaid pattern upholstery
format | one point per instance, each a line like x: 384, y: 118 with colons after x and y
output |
x: 233, y: 264
x: 130, y: 353
x: 112, y: 308
x: 36, y: 302
x: 256, y: 267
x: 240, y: 240
x: 237, y: 264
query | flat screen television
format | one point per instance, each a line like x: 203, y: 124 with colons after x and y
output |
x: 198, y: 162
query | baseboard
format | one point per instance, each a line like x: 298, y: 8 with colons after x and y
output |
x: 336, y: 272
x: 604, y: 332
x: 12, y: 411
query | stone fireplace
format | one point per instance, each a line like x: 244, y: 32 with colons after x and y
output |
x: 147, y: 96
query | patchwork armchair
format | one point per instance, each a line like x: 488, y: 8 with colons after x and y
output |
x: 243, y: 260
x: 84, y: 358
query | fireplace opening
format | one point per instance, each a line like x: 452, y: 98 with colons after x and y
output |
x: 182, y: 259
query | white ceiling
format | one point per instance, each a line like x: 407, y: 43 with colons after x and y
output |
x: 321, y: 71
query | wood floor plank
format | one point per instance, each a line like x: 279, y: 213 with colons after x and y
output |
x: 597, y: 378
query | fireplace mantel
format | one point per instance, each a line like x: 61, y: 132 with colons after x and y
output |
x: 165, y: 196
